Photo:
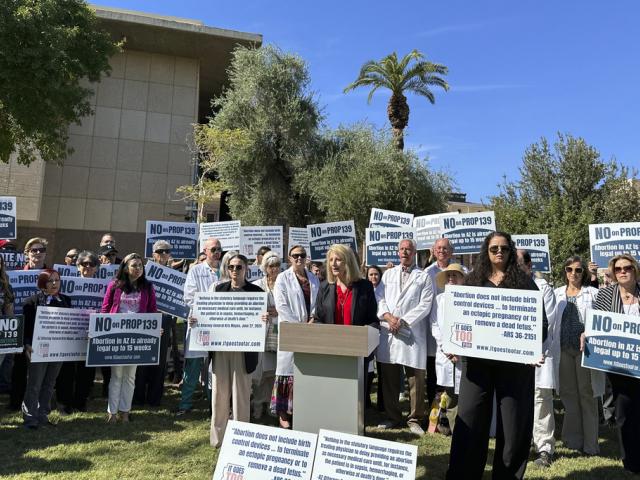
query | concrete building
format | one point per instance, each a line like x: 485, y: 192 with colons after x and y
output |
x: 132, y: 153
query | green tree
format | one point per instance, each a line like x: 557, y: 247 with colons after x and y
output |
x: 363, y: 169
x: 401, y: 77
x: 268, y: 99
x: 561, y: 191
x: 46, y: 48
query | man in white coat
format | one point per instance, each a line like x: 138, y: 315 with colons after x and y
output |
x: 547, y: 374
x: 403, y: 311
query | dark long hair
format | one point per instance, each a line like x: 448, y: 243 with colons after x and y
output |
x: 514, y: 277
x: 5, y: 287
x: 122, y: 276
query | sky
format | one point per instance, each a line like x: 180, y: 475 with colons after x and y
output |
x: 518, y: 71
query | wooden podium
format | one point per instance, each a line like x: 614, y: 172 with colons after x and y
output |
x: 328, y: 371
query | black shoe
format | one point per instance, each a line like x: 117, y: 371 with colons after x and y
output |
x: 181, y: 412
x: 544, y: 460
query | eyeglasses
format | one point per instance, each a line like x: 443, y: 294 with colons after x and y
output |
x: 577, y: 270
x: 162, y: 251
x: 235, y: 268
x: 298, y: 255
x: 38, y: 250
x: 87, y: 264
x: 625, y: 269
x: 499, y: 248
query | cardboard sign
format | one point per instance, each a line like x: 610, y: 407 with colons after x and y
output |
x: 60, y: 335
x: 538, y: 248
x: 8, y: 217
x: 252, y: 238
x: 610, y: 239
x: 467, y: 231
x: 495, y: 323
x: 382, y: 244
x: 613, y: 343
x: 169, y: 286
x: 323, y: 235
x: 182, y: 236
x: 389, y: 219
x: 228, y: 233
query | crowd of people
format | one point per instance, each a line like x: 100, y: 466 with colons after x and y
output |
x: 405, y: 302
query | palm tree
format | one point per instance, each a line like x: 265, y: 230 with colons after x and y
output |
x: 401, y: 77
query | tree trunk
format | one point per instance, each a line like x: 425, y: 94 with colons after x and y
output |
x: 398, y: 113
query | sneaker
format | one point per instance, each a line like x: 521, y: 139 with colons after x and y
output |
x: 544, y: 460
x: 387, y: 424
x: 416, y: 429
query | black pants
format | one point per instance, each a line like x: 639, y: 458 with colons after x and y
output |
x: 627, y: 393
x: 432, y: 381
x: 150, y: 378
x: 513, y: 385
x: 74, y: 384
x: 18, y: 380
x: 106, y: 377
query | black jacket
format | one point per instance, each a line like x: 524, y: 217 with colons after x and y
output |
x: 30, y: 306
x: 364, y: 308
x: 250, y: 358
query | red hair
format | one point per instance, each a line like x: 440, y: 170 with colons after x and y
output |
x: 44, y: 276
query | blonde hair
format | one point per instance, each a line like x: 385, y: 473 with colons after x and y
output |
x: 268, y: 259
x: 345, y: 254
x: 624, y: 256
x: 33, y: 241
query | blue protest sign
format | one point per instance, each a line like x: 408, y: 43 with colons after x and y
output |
x: 467, y: 231
x: 182, y: 236
x: 538, y: 248
x: 610, y: 239
x: 85, y: 293
x: 13, y: 260
x: 24, y: 284
x: 382, y: 244
x: 8, y: 217
x: 169, y: 286
x: 323, y: 235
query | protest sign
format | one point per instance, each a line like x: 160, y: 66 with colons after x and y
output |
x: 229, y: 322
x: 60, y: 335
x: 254, y: 273
x: 13, y: 260
x: 252, y: 238
x: 610, y: 239
x: 227, y: 232
x: 85, y: 293
x: 538, y: 248
x: 323, y: 235
x: 8, y: 217
x: 124, y: 339
x: 428, y: 229
x: 169, y: 286
x: 382, y: 244
x: 66, y: 270
x: 467, y: 231
x: 613, y: 342
x: 11, y: 334
x: 298, y: 236
x: 389, y: 219
x: 106, y: 271
x: 342, y: 456
x: 182, y: 236
x: 258, y: 452
x: 495, y: 323
x: 24, y: 284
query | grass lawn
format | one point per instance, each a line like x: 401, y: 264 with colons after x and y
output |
x: 157, y: 445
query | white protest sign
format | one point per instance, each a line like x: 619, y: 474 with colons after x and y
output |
x: 227, y: 232
x: 323, y: 235
x: 538, y: 248
x: 341, y: 456
x: 24, y: 284
x: 252, y: 238
x: 182, y: 236
x: 229, y: 322
x: 613, y: 342
x: 495, y: 323
x: 610, y: 239
x: 258, y: 452
x: 298, y: 236
x: 389, y: 218
x: 85, y: 293
x: 66, y: 270
x: 467, y: 231
x: 60, y: 335
x: 428, y: 229
x: 8, y: 217
x: 382, y: 244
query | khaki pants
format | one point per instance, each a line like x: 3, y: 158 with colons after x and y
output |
x: 231, y: 384
x: 580, y: 427
x: 391, y: 390
x: 544, y: 423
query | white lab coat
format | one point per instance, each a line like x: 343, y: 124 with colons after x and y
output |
x: 447, y: 372
x: 199, y: 279
x: 547, y: 373
x: 412, y: 305
x: 290, y: 305
x: 585, y: 299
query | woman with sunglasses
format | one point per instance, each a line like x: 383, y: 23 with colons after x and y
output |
x: 513, y: 384
x: 623, y: 297
x: 128, y: 292
x: 36, y: 251
x: 579, y: 387
x: 295, y: 294
x: 41, y: 377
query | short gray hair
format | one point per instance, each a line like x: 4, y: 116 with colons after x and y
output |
x: 413, y: 243
x: 451, y: 247
x: 268, y: 259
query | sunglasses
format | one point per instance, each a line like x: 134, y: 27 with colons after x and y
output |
x: 162, y: 251
x: 577, y: 270
x: 625, y: 269
x: 215, y: 249
x: 87, y: 264
x: 499, y: 248
x: 235, y: 268
x: 298, y: 255
x: 72, y: 257
x: 38, y: 250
